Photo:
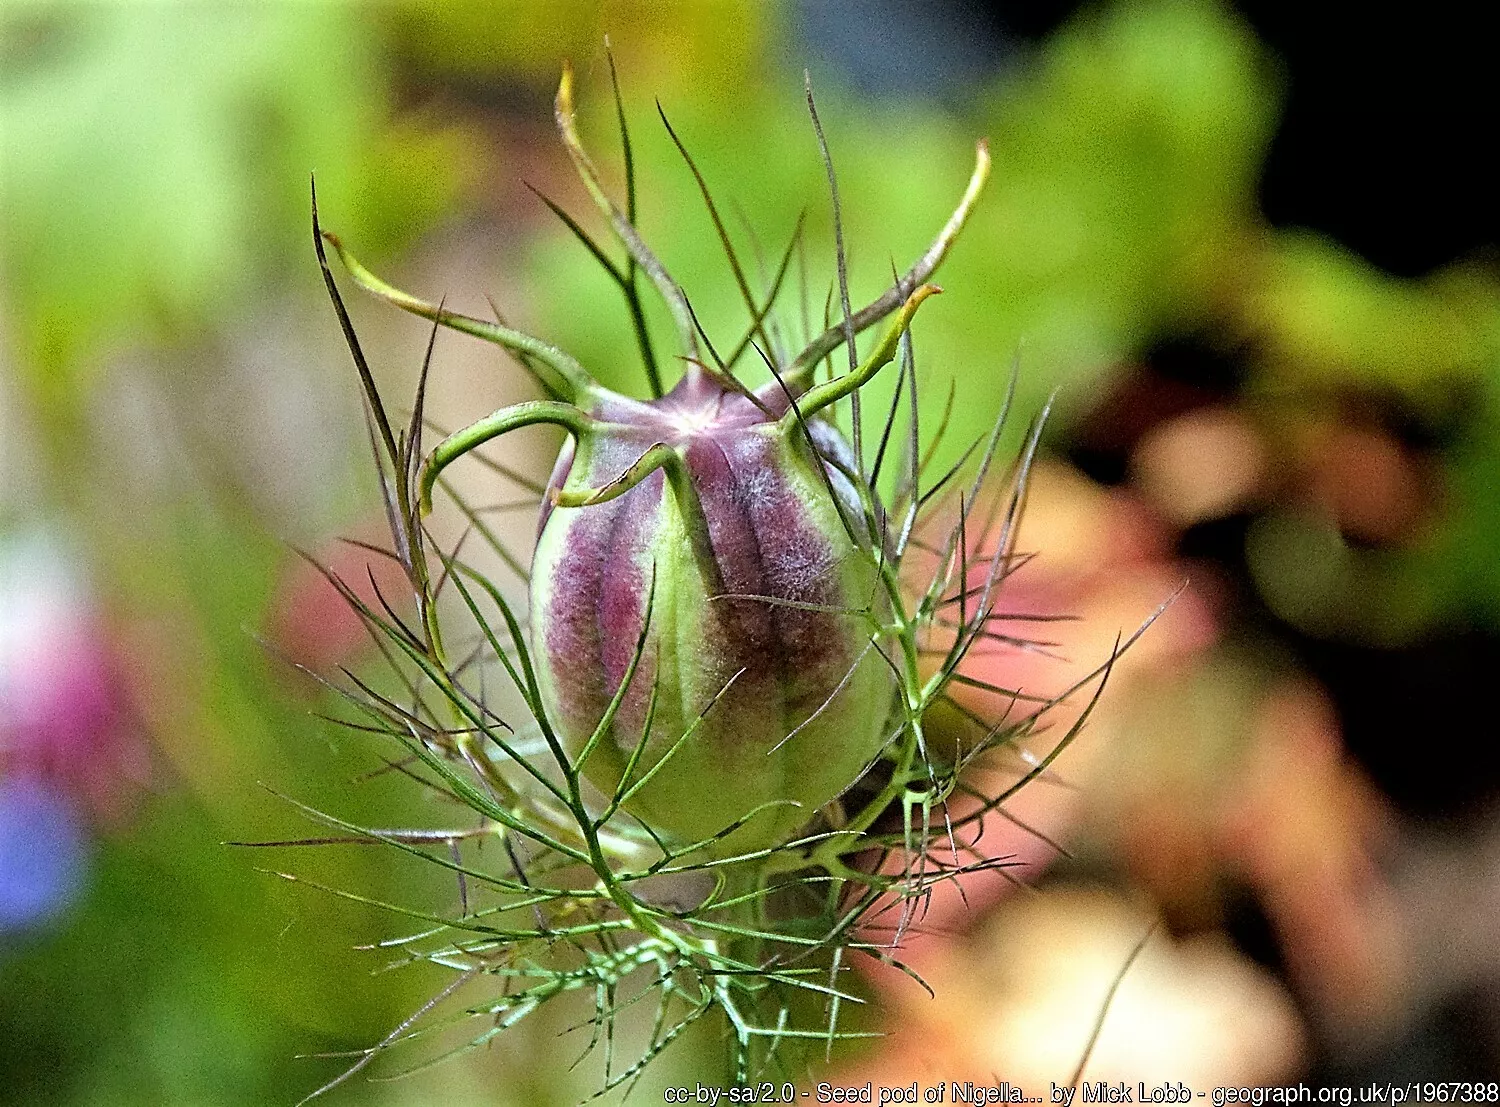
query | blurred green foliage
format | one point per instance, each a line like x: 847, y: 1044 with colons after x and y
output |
x: 157, y: 161
x: 704, y: 49
x: 1326, y: 327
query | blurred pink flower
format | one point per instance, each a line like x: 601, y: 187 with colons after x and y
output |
x: 65, y: 716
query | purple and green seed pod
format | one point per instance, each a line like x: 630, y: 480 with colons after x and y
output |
x: 706, y: 596
x: 724, y: 524
x: 757, y: 643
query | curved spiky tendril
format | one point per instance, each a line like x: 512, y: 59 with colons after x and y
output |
x: 695, y: 521
x: 799, y: 375
x: 571, y: 380
x: 640, y: 253
x: 831, y: 392
x: 504, y: 421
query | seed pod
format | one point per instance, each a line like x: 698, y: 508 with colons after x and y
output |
x: 724, y: 508
x: 727, y: 520
x: 722, y: 523
x: 719, y: 645
x: 756, y: 643
x: 733, y: 513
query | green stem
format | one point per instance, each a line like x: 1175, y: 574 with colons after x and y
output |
x: 800, y: 374
x: 450, y: 449
x: 816, y: 399
x: 571, y: 381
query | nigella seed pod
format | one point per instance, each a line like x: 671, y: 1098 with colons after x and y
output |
x: 703, y: 600
x: 708, y: 591
x: 722, y: 640
x: 756, y: 643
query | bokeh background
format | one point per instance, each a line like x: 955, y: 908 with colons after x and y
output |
x: 1254, y: 258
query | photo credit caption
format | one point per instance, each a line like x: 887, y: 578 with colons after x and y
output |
x: 965, y: 1092
x: 961, y: 1092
